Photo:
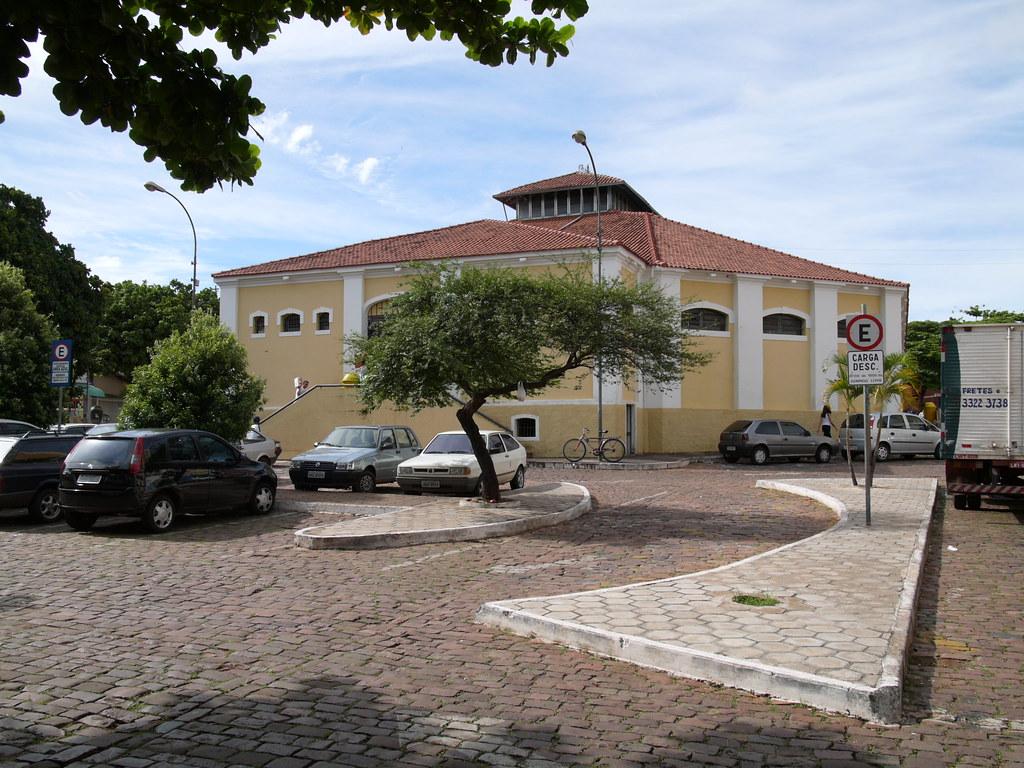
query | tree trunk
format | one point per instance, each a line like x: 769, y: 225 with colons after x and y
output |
x: 849, y: 453
x: 488, y: 477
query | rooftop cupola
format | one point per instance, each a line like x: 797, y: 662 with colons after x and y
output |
x: 572, y: 195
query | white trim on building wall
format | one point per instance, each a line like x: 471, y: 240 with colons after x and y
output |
x: 748, y: 363
x: 252, y: 324
x: 536, y: 427
x: 291, y: 311
x: 352, y: 314
x: 229, y: 306
x: 316, y: 320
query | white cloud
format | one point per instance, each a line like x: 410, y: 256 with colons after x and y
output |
x: 270, y: 126
x: 337, y: 163
x: 365, y: 169
x: 300, y: 141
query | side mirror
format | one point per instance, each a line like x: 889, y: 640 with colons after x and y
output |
x: 316, y: 444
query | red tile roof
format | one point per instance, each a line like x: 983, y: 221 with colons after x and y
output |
x: 653, y: 239
x: 572, y: 180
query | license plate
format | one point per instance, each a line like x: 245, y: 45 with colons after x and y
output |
x: 89, y: 479
x: 730, y: 447
x: 431, y: 483
x: 315, y: 475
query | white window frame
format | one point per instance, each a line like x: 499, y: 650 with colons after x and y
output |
x: 709, y: 305
x: 376, y: 300
x: 785, y: 336
x: 252, y: 324
x: 291, y: 311
x: 316, y: 320
x: 536, y: 422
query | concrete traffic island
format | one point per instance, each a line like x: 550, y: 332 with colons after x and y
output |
x: 835, y: 638
x: 453, y: 519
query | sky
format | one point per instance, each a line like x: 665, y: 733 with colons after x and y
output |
x: 886, y: 138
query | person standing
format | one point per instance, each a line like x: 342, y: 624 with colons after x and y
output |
x: 826, y: 420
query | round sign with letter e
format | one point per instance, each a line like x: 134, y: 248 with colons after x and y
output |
x: 864, y: 332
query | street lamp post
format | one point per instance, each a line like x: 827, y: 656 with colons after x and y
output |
x: 581, y: 138
x: 154, y: 187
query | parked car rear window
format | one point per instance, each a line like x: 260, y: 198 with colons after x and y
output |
x: 449, y: 444
x: 794, y: 429
x: 768, y: 428
x: 737, y: 426
x: 103, y: 452
x: 510, y: 442
x: 37, y: 451
x: 856, y: 421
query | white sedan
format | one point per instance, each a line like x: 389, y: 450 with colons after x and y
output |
x: 448, y: 464
x: 259, y: 447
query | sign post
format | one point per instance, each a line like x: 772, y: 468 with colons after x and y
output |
x: 864, y: 366
x: 61, y: 357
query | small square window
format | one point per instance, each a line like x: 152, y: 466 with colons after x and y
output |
x: 259, y: 325
x: 525, y: 426
x: 323, y: 321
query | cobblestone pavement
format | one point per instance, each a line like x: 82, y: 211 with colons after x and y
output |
x: 223, y: 644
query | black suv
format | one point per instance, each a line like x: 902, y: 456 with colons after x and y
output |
x: 159, y: 474
x: 30, y: 471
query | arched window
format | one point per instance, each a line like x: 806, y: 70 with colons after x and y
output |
x: 783, y: 324
x: 705, y: 319
x: 375, y: 316
x: 291, y: 322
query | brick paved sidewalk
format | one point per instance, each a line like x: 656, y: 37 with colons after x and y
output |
x: 837, y: 638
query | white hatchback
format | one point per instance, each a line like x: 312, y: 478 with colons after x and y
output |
x: 448, y: 464
x: 902, y: 434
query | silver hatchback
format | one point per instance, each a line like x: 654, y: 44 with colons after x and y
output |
x: 764, y: 439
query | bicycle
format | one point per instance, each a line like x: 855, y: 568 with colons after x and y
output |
x: 609, y: 449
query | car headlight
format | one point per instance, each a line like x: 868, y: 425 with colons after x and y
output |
x: 405, y: 470
x: 344, y: 465
x: 459, y: 471
x: 296, y: 465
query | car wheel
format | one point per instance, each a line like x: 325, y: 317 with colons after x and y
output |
x: 960, y: 501
x: 262, y: 499
x: 883, y: 452
x: 266, y: 460
x: 160, y: 514
x: 80, y: 521
x: 760, y: 455
x: 937, y: 453
x: 974, y: 501
x: 366, y: 483
x: 731, y: 458
x: 518, y: 479
x: 45, y: 506
x: 823, y: 455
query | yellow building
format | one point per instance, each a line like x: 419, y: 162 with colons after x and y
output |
x: 771, y: 319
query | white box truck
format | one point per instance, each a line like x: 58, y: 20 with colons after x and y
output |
x: 983, y: 412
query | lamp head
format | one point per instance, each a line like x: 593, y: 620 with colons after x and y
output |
x: 580, y: 138
x: 152, y: 186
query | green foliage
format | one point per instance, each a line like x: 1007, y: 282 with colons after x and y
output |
x: 197, y: 379
x: 60, y: 283
x: 981, y: 314
x: 137, y: 315
x: 485, y: 330
x: 924, y: 345
x: 25, y: 336
x: 482, y: 332
x: 124, y: 64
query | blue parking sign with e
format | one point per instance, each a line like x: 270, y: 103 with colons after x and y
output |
x: 61, y: 355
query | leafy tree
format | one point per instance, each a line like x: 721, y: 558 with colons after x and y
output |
x: 25, y: 336
x: 61, y: 284
x: 483, y: 331
x: 124, y: 63
x: 981, y: 314
x: 198, y: 379
x: 137, y: 315
x: 840, y: 386
x: 923, y: 346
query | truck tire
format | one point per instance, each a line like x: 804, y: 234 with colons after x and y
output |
x: 974, y: 501
x: 959, y: 501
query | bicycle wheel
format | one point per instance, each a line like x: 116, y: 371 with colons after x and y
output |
x: 574, y: 450
x: 612, y: 450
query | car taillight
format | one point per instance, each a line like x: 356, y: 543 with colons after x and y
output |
x: 136, y: 466
x: 744, y: 437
